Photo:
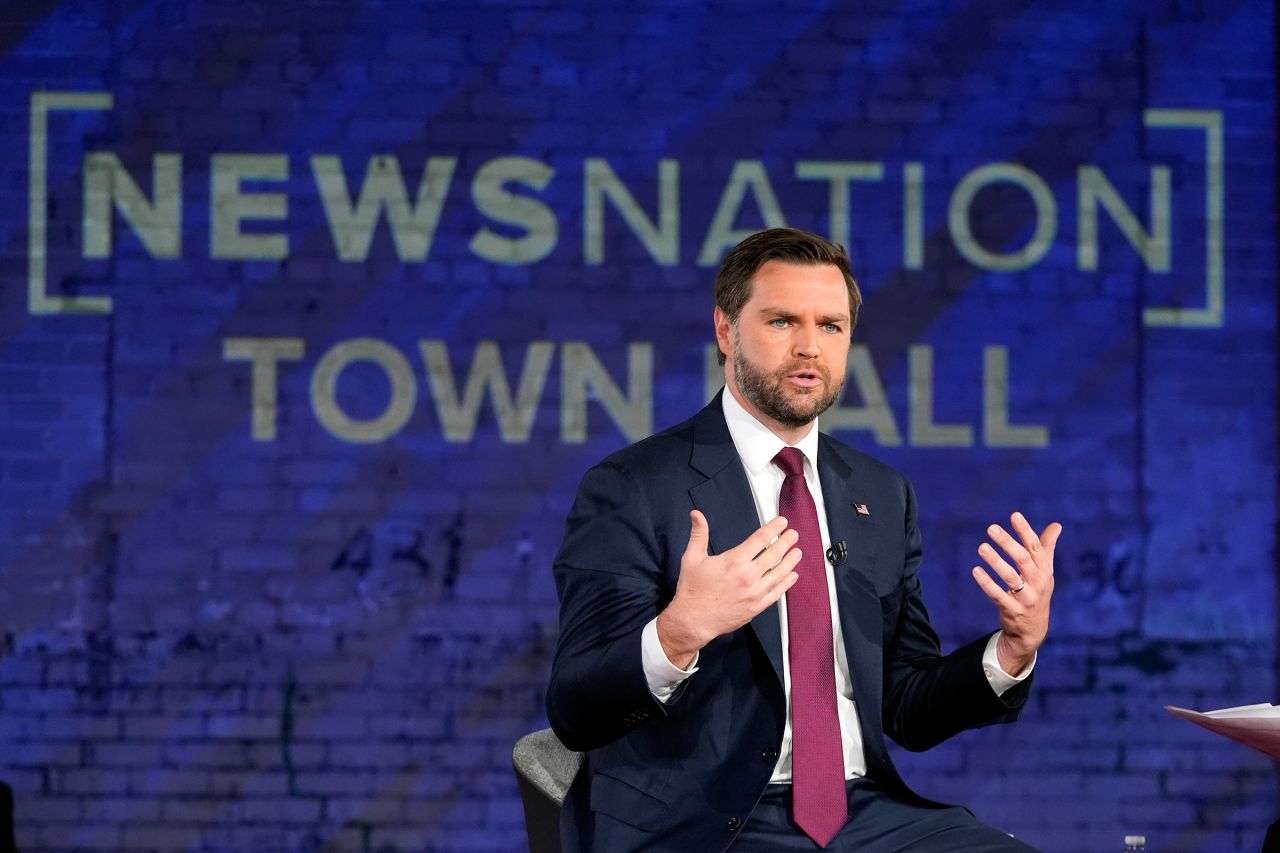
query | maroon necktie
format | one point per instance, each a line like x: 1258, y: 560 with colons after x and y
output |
x: 817, y: 755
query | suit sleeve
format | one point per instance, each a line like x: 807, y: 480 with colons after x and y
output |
x: 608, y: 574
x: 928, y: 696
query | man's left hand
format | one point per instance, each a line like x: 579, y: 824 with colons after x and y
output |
x: 1023, y: 602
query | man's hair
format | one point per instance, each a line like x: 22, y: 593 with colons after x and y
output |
x: 789, y: 245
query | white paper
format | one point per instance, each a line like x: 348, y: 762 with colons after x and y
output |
x: 1257, y: 726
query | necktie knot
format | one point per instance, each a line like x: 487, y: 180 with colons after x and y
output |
x: 790, y: 460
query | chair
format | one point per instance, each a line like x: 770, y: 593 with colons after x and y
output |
x: 545, y: 769
x: 7, y: 843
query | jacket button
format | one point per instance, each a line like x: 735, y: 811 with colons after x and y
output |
x: 770, y: 754
x: 734, y: 824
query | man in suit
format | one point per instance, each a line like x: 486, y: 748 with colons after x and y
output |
x: 732, y: 686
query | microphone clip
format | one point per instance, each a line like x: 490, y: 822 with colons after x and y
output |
x: 838, y: 553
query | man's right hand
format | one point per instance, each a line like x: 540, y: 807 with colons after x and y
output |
x: 719, y: 594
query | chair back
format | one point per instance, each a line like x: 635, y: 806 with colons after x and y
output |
x: 545, y: 769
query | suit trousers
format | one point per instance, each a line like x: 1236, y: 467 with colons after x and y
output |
x: 877, y: 824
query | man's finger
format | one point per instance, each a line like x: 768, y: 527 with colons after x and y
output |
x: 699, y: 534
x: 772, y: 555
x: 997, y: 563
x: 788, y: 561
x: 762, y: 538
x: 786, y: 580
x: 1025, y: 532
x: 1049, y: 539
x: 1010, y: 606
x: 994, y: 591
x: 1012, y: 547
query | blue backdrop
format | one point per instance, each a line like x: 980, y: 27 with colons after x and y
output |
x: 315, y: 313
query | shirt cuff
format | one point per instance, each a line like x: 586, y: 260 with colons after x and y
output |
x: 663, y: 676
x: 999, y: 680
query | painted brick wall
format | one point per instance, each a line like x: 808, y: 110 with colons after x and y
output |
x: 273, y: 578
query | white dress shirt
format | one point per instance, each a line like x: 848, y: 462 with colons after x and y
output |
x: 756, y: 446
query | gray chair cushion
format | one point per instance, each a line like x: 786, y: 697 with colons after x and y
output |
x: 540, y: 758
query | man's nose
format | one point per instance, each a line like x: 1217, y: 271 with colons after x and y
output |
x: 805, y: 342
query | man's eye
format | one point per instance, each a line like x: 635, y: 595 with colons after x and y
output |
x: 831, y: 327
x: 778, y: 323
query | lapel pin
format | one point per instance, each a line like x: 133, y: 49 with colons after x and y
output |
x: 862, y: 509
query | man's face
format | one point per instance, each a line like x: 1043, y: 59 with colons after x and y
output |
x: 786, y: 355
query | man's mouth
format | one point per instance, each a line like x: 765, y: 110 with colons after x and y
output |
x: 805, y: 378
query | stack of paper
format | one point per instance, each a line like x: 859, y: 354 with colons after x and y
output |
x: 1257, y: 726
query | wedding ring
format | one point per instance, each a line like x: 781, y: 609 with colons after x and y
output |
x: 1020, y: 588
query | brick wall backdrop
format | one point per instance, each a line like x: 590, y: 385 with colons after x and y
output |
x: 313, y: 314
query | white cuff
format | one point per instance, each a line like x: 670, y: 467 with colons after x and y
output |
x: 663, y: 676
x: 999, y: 680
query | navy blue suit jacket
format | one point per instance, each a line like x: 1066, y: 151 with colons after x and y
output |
x: 685, y: 774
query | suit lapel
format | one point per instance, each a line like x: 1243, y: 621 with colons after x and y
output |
x: 861, y: 620
x: 725, y: 499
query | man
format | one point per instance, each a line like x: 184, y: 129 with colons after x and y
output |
x: 732, y: 685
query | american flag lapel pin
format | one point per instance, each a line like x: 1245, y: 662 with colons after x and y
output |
x: 862, y: 509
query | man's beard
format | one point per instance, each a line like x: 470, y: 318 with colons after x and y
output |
x: 766, y: 392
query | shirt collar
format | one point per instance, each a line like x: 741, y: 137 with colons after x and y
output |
x: 756, y: 444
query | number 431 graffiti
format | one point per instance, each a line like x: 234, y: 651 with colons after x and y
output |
x: 378, y: 549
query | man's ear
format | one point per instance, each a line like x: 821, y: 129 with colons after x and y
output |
x: 724, y: 330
